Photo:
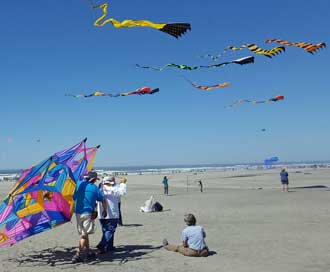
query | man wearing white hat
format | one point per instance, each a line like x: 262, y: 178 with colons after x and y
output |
x: 112, y: 194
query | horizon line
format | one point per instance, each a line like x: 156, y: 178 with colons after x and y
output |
x: 193, y: 165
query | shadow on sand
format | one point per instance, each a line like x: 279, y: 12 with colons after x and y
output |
x: 211, y: 253
x: 61, y: 257
x: 311, y: 187
x: 132, y: 225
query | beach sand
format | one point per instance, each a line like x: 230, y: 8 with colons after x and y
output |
x: 250, y: 224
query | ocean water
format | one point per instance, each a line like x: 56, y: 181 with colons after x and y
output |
x: 145, y: 169
x: 160, y: 168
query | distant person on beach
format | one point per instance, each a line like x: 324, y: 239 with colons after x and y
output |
x: 165, y: 184
x: 193, y: 244
x: 284, y: 180
x: 85, y: 196
x: 120, y: 222
x: 200, y: 184
x: 112, y: 194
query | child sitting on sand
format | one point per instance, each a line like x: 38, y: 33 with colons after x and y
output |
x: 193, y: 244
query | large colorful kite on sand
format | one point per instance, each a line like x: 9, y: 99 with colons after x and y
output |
x: 174, y: 29
x: 42, y: 197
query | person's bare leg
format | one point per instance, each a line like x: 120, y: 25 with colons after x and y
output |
x: 173, y: 248
x: 186, y: 251
x: 169, y: 247
x: 83, y: 243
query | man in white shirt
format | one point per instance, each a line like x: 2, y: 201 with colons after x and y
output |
x: 112, y: 193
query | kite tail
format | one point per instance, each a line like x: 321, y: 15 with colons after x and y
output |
x: 159, y: 69
x: 253, y: 48
x: 187, y: 79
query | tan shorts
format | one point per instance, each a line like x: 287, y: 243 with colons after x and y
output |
x: 85, y: 224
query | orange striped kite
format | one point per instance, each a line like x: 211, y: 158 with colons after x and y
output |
x: 308, y: 47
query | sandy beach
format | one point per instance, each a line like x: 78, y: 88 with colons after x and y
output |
x: 250, y: 224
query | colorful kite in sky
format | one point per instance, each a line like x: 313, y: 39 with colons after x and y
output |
x: 309, y: 47
x: 207, y: 88
x: 42, y: 199
x: 174, y: 29
x: 242, y: 61
x: 253, y: 48
x: 141, y: 91
x: 241, y: 101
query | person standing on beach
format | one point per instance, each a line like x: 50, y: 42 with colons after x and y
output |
x: 85, y: 196
x: 123, y: 180
x: 165, y: 184
x: 284, y: 180
x: 112, y: 194
x: 193, y: 244
x: 200, y: 184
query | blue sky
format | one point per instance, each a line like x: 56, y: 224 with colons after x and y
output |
x: 50, y: 48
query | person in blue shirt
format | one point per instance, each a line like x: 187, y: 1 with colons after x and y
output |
x: 192, y: 237
x: 165, y: 184
x: 284, y: 180
x: 85, y: 196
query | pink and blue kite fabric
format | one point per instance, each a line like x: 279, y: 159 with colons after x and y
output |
x: 42, y: 196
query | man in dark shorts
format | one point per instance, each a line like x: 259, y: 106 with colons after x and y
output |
x: 284, y: 180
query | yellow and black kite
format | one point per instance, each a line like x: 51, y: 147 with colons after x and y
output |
x: 253, y: 48
x: 174, y: 29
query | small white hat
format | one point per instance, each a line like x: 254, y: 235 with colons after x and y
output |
x: 107, y: 178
